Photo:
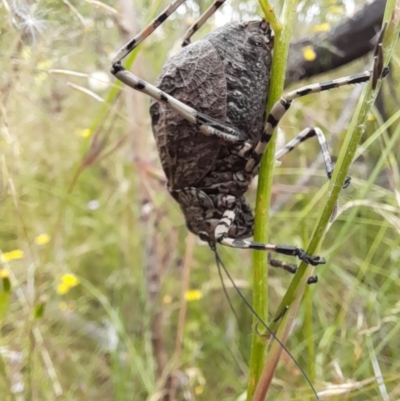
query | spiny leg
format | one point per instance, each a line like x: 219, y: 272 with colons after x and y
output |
x: 207, y: 125
x: 283, y: 105
x: 201, y: 20
x: 221, y: 236
x: 303, y: 136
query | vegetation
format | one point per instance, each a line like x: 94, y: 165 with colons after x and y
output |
x: 100, y: 279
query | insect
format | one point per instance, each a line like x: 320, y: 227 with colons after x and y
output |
x: 211, y: 128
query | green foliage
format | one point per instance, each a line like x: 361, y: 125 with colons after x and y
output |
x: 81, y: 224
x: 283, y: 32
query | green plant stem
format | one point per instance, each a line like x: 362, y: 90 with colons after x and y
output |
x: 270, y: 16
x: 260, y: 283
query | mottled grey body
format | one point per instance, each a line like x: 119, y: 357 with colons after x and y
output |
x: 225, y: 76
x: 208, y: 123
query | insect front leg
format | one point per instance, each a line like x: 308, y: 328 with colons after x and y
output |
x: 221, y: 236
x: 303, y: 136
x: 207, y: 125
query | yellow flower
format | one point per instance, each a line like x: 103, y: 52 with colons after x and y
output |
x: 371, y: 117
x: 309, y: 53
x: 42, y: 239
x: 193, y: 295
x: 67, y: 282
x: 62, y: 288
x: 70, y: 280
x: 12, y: 255
x: 84, y: 133
x: 321, y: 27
x: 4, y: 273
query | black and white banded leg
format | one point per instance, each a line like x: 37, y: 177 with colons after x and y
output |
x: 201, y: 20
x: 282, y: 106
x: 303, y: 136
x: 146, y: 32
x: 207, y: 125
x: 221, y: 236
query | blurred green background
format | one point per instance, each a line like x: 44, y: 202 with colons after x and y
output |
x: 96, y: 251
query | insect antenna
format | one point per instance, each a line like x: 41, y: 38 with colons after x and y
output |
x: 228, y: 298
x: 220, y: 264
